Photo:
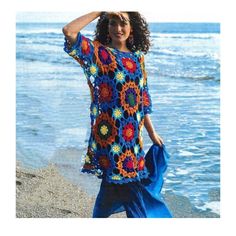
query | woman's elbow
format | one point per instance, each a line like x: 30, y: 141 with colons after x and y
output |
x: 69, y: 34
x: 66, y: 31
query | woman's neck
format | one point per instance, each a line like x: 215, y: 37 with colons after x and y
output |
x: 120, y: 46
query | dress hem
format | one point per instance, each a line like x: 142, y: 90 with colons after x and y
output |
x: 123, y: 181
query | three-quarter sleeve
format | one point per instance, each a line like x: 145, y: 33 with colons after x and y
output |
x: 82, y: 51
x: 146, y: 97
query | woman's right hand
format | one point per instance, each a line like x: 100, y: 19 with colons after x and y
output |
x: 117, y: 14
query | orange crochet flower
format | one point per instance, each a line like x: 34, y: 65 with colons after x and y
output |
x: 104, y: 162
x: 129, y: 64
x: 127, y: 164
x: 85, y: 46
x: 146, y: 100
x: 141, y: 163
x: 130, y: 97
x: 105, y: 92
x: 104, y: 130
x: 104, y: 58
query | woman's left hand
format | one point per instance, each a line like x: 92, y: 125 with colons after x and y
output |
x: 156, y: 138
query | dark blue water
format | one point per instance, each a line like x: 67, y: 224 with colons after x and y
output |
x: 183, y: 65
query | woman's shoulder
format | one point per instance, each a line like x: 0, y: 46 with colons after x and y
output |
x: 139, y: 53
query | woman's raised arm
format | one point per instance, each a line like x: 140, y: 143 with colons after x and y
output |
x: 71, y: 29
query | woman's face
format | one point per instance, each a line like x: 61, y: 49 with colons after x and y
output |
x: 119, y: 27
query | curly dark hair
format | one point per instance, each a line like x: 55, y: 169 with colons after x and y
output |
x: 141, y: 33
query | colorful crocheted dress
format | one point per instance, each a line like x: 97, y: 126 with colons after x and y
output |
x: 119, y: 101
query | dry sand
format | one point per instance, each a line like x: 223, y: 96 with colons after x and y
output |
x: 45, y: 193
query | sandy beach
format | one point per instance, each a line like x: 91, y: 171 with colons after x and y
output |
x: 45, y: 193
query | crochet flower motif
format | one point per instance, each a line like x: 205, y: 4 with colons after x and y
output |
x: 116, y: 177
x: 104, y: 162
x: 89, y: 165
x: 93, y: 110
x: 136, y: 149
x: 129, y: 64
x: 73, y: 53
x: 128, y: 132
x: 93, y: 70
x: 127, y: 164
x: 94, y: 146
x: 117, y: 113
x: 138, y: 116
x: 85, y: 46
x: 105, y: 92
x: 141, y: 164
x: 104, y: 59
x: 104, y: 56
x: 146, y: 100
x: 115, y: 148
x: 130, y: 97
x: 120, y: 76
x: 104, y: 130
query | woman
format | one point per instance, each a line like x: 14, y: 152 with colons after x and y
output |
x: 120, y: 106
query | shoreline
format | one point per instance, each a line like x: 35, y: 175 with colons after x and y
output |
x: 45, y: 193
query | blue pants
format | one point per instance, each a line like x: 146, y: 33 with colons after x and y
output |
x: 114, y: 198
x: 134, y: 198
x: 139, y: 199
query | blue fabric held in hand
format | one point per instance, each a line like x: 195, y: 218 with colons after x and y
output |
x: 140, y: 199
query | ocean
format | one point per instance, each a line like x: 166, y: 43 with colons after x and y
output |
x: 183, y: 65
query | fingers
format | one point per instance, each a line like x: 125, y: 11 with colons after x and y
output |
x: 111, y: 14
x: 159, y: 140
x: 118, y: 15
x: 123, y: 18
